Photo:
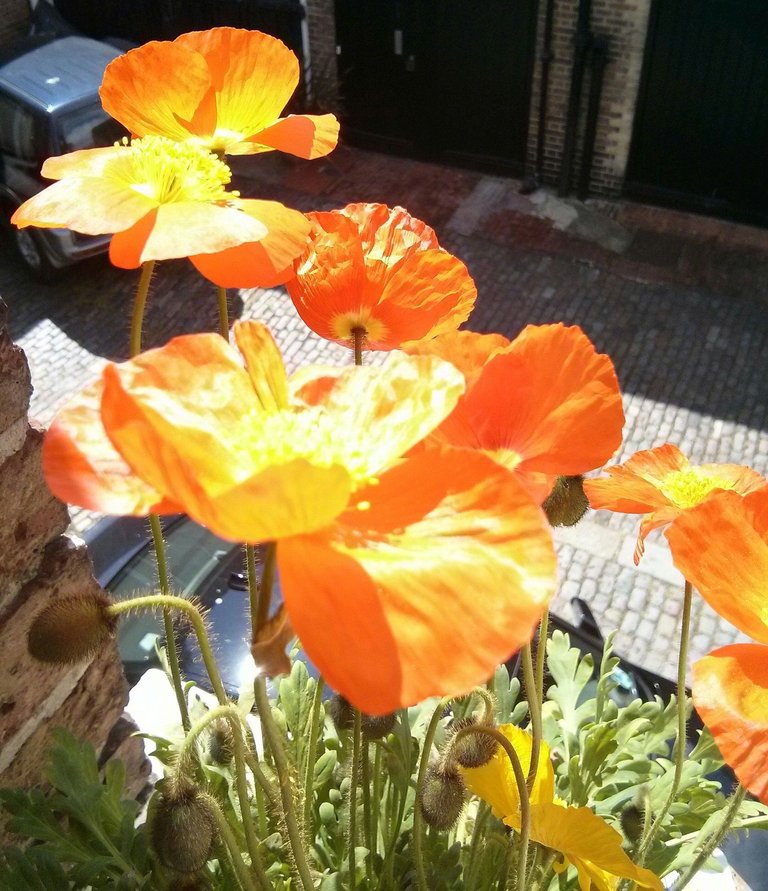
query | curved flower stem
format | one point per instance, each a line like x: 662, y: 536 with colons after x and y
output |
x: 729, y: 815
x: 139, y: 302
x: 418, y: 819
x: 267, y: 581
x: 679, y: 751
x: 541, y: 654
x: 365, y: 781
x: 223, y: 312
x: 170, y: 634
x: 187, y: 753
x: 534, y: 708
x: 253, y: 588
x: 358, y: 335
x: 230, y: 843
x: 376, y: 797
x: 193, y: 614
x: 309, y: 771
x: 522, y: 788
x: 357, y: 735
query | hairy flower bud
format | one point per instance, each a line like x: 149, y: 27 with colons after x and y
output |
x: 221, y: 746
x: 632, y: 823
x: 71, y: 629
x: 183, y: 829
x: 472, y: 749
x: 373, y: 726
x: 442, y: 797
x: 566, y: 504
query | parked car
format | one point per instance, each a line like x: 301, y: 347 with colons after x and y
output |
x: 49, y: 105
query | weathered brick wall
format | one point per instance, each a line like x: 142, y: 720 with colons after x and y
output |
x: 321, y: 25
x: 14, y: 20
x: 625, y: 23
x: 37, y: 564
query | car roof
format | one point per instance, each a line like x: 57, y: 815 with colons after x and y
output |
x: 57, y: 74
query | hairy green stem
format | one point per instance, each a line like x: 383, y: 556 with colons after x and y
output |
x: 315, y: 716
x: 729, y: 815
x: 366, y: 788
x: 541, y: 654
x: 267, y: 582
x: 358, y: 337
x: 170, y: 634
x: 139, y: 304
x: 679, y: 750
x: 357, y: 735
x: 534, y: 709
x: 376, y: 797
x: 223, y: 312
x: 232, y: 847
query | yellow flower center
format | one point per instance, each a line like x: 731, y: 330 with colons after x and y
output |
x: 344, y: 324
x: 688, y: 487
x: 169, y: 172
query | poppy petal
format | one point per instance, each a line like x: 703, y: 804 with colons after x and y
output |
x: 264, y: 364
x: 262, y: 263
x: 84, y: 162
x: 127, y: 247
x: 624, y: 491
x: 467, y: 350
x: 186, y: 227
x: 718, y: 549
x: 390, y: 615
x: 82, y: 467
x: 94, y: 206
x: 304, y: 135
x: 385, y: 411
x: 730, y: 693
x: 495, y: 781
x: 155, y: 88
x: 590, y: 844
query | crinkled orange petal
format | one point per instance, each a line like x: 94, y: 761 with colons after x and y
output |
x: 385, y: 411
x: 305, y: 135
x: 495, y: 781
x: 94, y: 206
x: 264, y: 364
x: 633, y: 487
x: 718, y: 549
x: 654, y: 520
x: 82, y: 467
x: 252, y: 74
x: 263, y: 263
x: 155, y: 88
x: 386, y: 601
x: 183, y: 418
x: 730, y: 693
x: 188, y: 227
x: 432, y: 293
x: 594, y: 848
x: 387, y: 232
x: 467, y: 350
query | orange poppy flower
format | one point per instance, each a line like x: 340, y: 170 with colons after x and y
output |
x: 721, y: 546
x: 380, y: 271
x: 380, y: 558
x: 546, y: 404
x: 662, y: 483
x: 164, y: 200
x: 223, y: 89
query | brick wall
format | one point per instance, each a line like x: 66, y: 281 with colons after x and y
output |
x: 625, y: 23
x: 37, y: 564
x: 14, y: 20
x: 321, y: 25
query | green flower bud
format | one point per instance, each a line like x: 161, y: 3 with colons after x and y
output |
x: 373, y: 726
x: 566, y: 504
x: 221, y: 745
x: 472, y: 749
x: 442, y: 797
x: 71, y: 629
x: 183, y: 829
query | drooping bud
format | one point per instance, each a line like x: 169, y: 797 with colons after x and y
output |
x: 373, y: 726
x: 632, y: 823
x: 71, y: 629
x: 442, y: 797
x: 472, y: 749
x: 566, y: 504
x: 183, y: 829
x: 221, y: 746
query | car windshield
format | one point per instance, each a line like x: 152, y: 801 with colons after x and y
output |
x: 194, y: 556
x: 87, y: 127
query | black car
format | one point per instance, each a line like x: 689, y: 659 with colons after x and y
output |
x: 49, y: 105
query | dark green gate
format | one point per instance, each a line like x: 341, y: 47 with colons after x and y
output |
x: 700, y: 140
x: 441, y: 79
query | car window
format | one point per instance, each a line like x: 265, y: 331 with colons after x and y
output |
x: 87, y: 127
x: 17, y: 131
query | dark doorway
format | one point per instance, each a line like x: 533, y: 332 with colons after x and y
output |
x: 700, y: 139
x: 440, y: 79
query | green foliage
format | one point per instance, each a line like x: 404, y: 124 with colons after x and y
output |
x: 607, y: 753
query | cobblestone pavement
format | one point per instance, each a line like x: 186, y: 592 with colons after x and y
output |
x: 691, y: 362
